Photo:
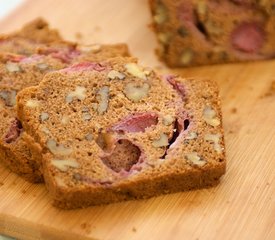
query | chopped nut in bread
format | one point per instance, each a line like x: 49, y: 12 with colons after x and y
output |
x: 79, y: 93
x: 58, y: 149
x: 194, y: 159
x: 103, y: 99
x: 210, y: 117
x: 136, y: 93
x: 63, y: 165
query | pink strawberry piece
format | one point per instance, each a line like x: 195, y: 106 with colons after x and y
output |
x: 66, y: 55
x: 177, y: 86
x: 16, y: 58
x: 14, y: 131
x: 32, y: 58
x: 186, y: 13
x: 248, y: 37
x: 84, y: 66
x: 136, y: 123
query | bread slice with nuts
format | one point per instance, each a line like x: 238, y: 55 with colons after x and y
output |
x: 116, y: 131
x: 32, y: 35
x: 36, y: 37
x: 18, y: 72
x: 69, y: 53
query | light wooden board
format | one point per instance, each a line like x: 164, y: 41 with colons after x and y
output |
x: 241, y: 207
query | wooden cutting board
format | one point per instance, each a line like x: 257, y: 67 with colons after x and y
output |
x: 241, y: 207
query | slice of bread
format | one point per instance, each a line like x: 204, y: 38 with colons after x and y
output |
x: 117, y: 131
x: 36, y: 37
x: 25, y: 41
x: 18, y: 72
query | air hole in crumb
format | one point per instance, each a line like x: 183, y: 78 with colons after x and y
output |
x: 176, y: 133
x: 118, y: 105
x: 200, y: 26
x: 156, y: 109
x: 103, y: 140
x: 186, y: 123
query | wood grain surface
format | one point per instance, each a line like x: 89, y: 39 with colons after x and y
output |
x: 241, y: 207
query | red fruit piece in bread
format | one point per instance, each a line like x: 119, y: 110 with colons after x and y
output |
x: 85, y: 66
x: 136, y: 123
x: 176, y: 85
x: 14, y: 131
x: 248, y: 37
x: 186, y: 13
x: 66, y: 55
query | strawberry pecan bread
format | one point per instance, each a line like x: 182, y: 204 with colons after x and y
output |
x: 25, y: 41
x: 36, y: 37
x: 199, y: 32
x: 18, y: 72
x: 114, y: 131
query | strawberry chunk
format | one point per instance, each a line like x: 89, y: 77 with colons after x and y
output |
x: 66, y: 55
x: 85, y: 66
x: 176, y: 85
x: 136, y: 123
x: 248, y: 37
x: 14, y: 131
x: 186, y: 13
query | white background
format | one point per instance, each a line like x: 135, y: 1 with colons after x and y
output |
x: 6, y: 6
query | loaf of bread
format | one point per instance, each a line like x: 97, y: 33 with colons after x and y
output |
x: 113, y: 131
x: 199, y: 32
x: 18, y: 72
